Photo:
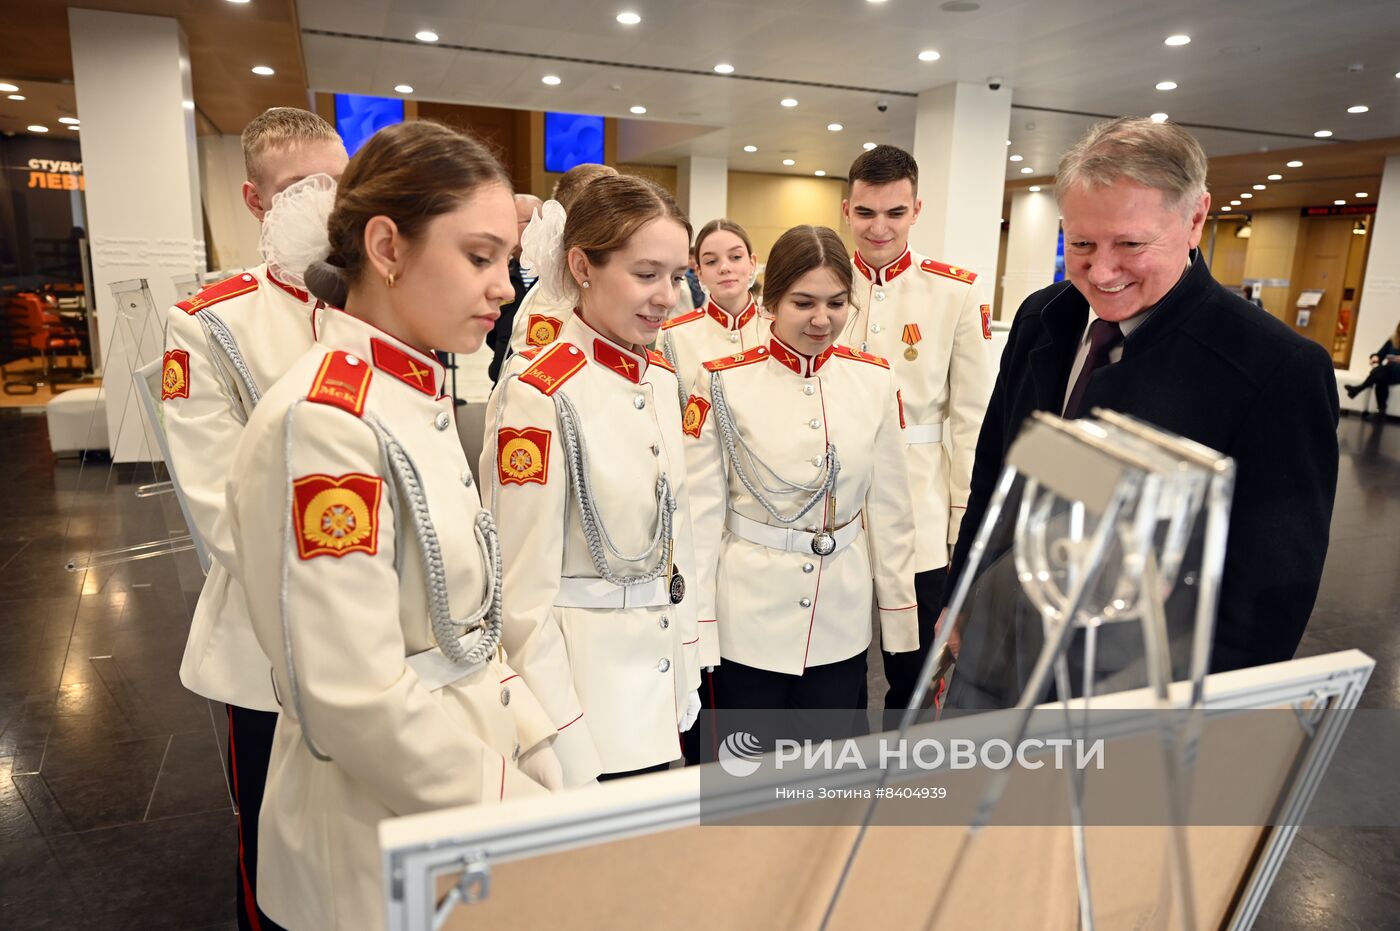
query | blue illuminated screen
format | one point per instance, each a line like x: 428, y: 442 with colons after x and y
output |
x: 571, y: 139
x: 1060, y: 258
x: 357, y: 117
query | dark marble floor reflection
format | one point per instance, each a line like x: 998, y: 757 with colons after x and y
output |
x: 114, y: 810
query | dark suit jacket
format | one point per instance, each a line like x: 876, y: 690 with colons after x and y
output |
x: 498, y: 340
x: 1209, y: 366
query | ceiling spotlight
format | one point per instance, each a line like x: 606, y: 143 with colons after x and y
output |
x: 403, y: 88
x: 868, y: 146
x: 1260, y: 187
x: 75, y: 128
x: 1159, y: 117
x: 628, y: 18
x: 1362, y: 194
x: 1227, y: 208
x: 1236, y: 202
x: 263, y: 70
x: 69, y: 120
x: 1017, y: 158
x: 1339, y: 203
x: 1275, y: 177
x: 750, y: 148
x: 789, y: 162
x: 551, y: 80
x: 1166, y: 85
x: 1246, y: 195
x: 36, y: 128
x: 929, y: 54
x: 723, y: 68
x: 1323, y: 133
x: 1178, y: 40
x: 1034, y: 189
x: 238, y: 1
x: 639, y: 110
x: 9, y: 88
x: 426, y: 35
x: 819, y: 173
x: 834, y: 127
x: 187, y: 104
x: 788, y: 101
x: 1358, y: 109
x: 17, y: 97
x: 1028, y: 170
x: 1294, y: 164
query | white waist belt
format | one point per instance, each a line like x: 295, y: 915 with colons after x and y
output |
x: 919, y: 434
x: 783, y: 538
x: 436, y: 671
x: 600, y: 593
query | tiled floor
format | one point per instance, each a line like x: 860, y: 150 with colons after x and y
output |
x: 114, y: 812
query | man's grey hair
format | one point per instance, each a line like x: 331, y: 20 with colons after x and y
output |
x: 1157, y: 155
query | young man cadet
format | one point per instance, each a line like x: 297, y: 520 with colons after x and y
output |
x: 224, y: 348
x: 933, y: 323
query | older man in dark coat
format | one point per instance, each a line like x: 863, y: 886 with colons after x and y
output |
x: 1141, y: 327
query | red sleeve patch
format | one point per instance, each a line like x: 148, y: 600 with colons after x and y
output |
x: 342, y: 381
x: 542, y: 330
x: 220, y: 291
x: 522, y: 456
x: 986, y: 321
x: 693, y: 421
x: 337, y: 515
x: 656, y: 358
x: 175, y: 375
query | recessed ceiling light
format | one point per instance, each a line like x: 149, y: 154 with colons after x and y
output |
x: 1236, y: 202
x: 187, y: 104
x: 789, y: 162
x: 868, y: 146
x: 1275, y: 177
x: 1261, y: 187
x: 1028, y: 170
x: 551, y: 79
x: 750, y: 148
x: 69, y: 120
x: 1359, y: 108
x: 639, y: 110
x: 1034, y: 189
x: 1323, y: 133
x: 1159, y: 117
x: 9, y: 88
x: 1294, y: 164
x: 75, y: 128
x: 819, y: 173
x: 724, y: 68
x: 1178, y: 40
x: 929, y: 54
x: 628, y: 18
x: 263, y: 70
x: 1339, y: 202
x: 1397, y: 74
x: 426, y: 35
x: 404, y: 88
x: 1166, y: 85
x: 1227, y: 208
x: 238, y: 1
x: 1017, y: 158
x: 1362, y: 194
x: 788, y: 101
x: 36, y: 128
x: 874, y: 1
x: 1246, y: 195
x: 834, y: 127
x: 17, y: 97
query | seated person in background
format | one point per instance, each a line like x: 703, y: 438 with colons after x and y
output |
x: 1385, y: 371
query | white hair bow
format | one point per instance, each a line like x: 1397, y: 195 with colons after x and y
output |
x: 294, y: 231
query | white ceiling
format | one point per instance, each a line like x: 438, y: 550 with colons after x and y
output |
x: 1258, y: 74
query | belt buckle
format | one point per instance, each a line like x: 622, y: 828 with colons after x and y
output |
x: 823, y: 543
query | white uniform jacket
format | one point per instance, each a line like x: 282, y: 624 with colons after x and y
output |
x: 933, y: 323
x: 708, y: 333
x: 785, y: 609
x: 223, y: 348
x: 613, y: 673
x: 332, y: 560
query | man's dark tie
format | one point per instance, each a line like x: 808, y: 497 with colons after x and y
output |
x: 1103, y: 337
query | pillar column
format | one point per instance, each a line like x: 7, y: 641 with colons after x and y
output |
x: 1031, y: 238
x: 702, y: 186
x: 960, y: 133
x: 1379, y: 310
x: 132, y: 84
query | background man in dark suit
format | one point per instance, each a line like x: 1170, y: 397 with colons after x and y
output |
x: 1141, y: 327
x: 498, y: 340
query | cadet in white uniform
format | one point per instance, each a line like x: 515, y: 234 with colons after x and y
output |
x: 585, y: 451
x: 730, y: 321
x: 933, y: 322
x: 800, y: 496
x: 224, y: 348
x: 372, y: 571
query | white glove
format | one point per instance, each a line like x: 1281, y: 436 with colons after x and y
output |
x: 692, y: 711
x: 541, y: 765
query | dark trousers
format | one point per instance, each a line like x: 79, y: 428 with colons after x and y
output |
x: 902, y: 669
x: 635, y: 772
x: 1381, y: 378
x: 807, y: 702
x: 699, y: 744
x: 249, y: 747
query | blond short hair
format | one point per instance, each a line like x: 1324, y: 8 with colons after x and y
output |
x: 1162, y: 156
x: 280, y: 128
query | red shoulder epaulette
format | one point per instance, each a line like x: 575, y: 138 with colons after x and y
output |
x: 342, y: 381
x: 245, y: 283
x: 560, y: 362
x: 948, y: 271
x: 683, y: 318
x: 529, y: 353
x: 846, y: 352
x: 739, y: 358
x: 656, y: 358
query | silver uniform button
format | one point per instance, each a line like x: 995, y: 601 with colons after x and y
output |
x: 864, y: 347
x: 665, y: 622
x: 351, y: 360
x: 817, y: 461
x: 664, y: 666
x: 655, y: 450
x: 467, y: 477
x: 806, y: 602
x: 573, y: 350
x: 876, y: 328
x: 809, y: 390
x: 807, y: 567
x: 879, y: 295
x: 505, y: 695
x: 733, y: 337
x: 247, y: 277
x: 814, y: 423
x: 639, y: 402
x: 515, y: 755
x: 443, y: 421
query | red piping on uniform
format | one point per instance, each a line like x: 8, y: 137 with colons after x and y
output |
x: 686, y: 643
x: 508, y: 678
x: 907, y: 608
x: 821, y: 560
x: 561, y: 727
x: 249, y: 901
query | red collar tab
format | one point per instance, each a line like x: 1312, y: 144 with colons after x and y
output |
x: 887, y: 274
x: 629, y: 365
x: 729, y: 321
x: 297, y: 293
x: 792, y: 359
x: 863, y: 268
x: 412, y: 370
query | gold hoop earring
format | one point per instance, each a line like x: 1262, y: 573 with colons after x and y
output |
x: 389, y: 280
